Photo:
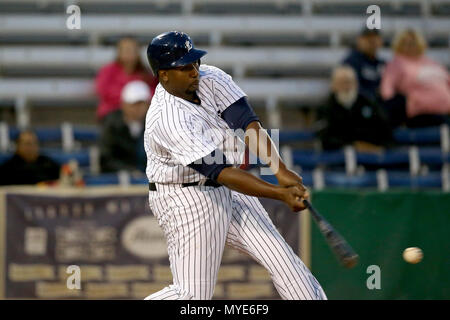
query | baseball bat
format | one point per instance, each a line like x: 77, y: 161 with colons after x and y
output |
x: 340, y: 247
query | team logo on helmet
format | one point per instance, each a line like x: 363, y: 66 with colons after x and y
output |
x: 188, y: 45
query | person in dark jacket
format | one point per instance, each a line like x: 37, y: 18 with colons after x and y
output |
x: 27, y: 165
x: 121, y: 142
x: 351, y: 118
x: 367, y: 64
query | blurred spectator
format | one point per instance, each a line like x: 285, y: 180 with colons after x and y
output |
x: 366, y: 63
x: 350, y: 118
x: 27, y: 166
x: 416, y: 88
x: 121, y: 141
x: 114, y: 76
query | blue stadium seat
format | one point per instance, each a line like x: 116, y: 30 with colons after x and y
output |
x: 430, y: 135
x: 86, y: 134
x: 389, y: 157
x: 310, y: 159
x: 49, y: 134
x: 289, y: 136
x: 334, y: 179
x: 82, y: 156
x: 13, y: 133
x: 4, y: 157
x: 433, y: 156
x: 369, y: 179
x: 403, y: 179
x: 101, y: 179
x: 139, y: 180
x: 44, y: 134
x: 61, y: 157
x: 340, y: 179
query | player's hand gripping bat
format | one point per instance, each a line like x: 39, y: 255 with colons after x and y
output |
x: 344, y: 253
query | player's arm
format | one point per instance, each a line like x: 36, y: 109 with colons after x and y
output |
x: 240, y: 115
x: 246, y: 183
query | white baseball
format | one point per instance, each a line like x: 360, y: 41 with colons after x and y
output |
x: 413, y: 255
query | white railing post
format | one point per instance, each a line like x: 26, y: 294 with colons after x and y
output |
x: 414, y: 160
x: 68, y: 141
x: 4, y: 137
x: 318, y: 178
x: 382, y: 180
x: 94, y: 160
x: 273, y: 113
x: 22, y: 112
x: 350, y: 160
x: 124, y: 178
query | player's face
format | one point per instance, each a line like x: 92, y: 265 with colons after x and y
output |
x: 184, y: 80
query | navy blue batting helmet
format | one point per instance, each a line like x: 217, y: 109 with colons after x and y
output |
x: 172, y: 49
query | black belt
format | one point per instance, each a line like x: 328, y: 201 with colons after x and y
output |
x: 208, y: 183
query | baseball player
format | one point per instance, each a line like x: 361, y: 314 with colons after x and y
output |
x: 200, y: 204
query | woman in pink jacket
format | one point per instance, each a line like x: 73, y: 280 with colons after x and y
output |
x: 416, y: 88
x: 114, y: 76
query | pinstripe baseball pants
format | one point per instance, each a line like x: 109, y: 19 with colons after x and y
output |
x: 198, y: 222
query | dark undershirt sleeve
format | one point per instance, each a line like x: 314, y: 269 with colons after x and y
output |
x: 239, y: 114
x: 208, y: 169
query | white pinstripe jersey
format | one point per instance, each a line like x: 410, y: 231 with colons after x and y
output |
x: 178, y: 132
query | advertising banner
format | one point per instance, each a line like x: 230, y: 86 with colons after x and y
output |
x: 110, y: 246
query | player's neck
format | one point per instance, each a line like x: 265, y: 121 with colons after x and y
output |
x: 193, y: 97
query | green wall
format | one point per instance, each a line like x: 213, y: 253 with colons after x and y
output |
x: 379, y: 226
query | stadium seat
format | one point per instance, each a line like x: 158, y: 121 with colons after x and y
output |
x: 400, y: 156
x: 4, y: 157
x: 308, y: 159
x: 101, y: 179
x: 83, y: 88
x: 441, y: 9
x: 130, y: 7
x: 260, y: 57
x: 139, y: 180
x: 245, y: 7
x: 290, y: 136
x: 429, y: 135
x: 219, y: 25
x: 433, y: 156
x: 48, y: 134
x: 33, y: 7
x: 86, y: 134
x: 392, y: 157
x: 112, y: 178
x: 340, y: 179
x: 402, y: 179
x: 82, y: 156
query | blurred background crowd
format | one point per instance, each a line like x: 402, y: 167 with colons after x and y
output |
x: 355, y: 106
